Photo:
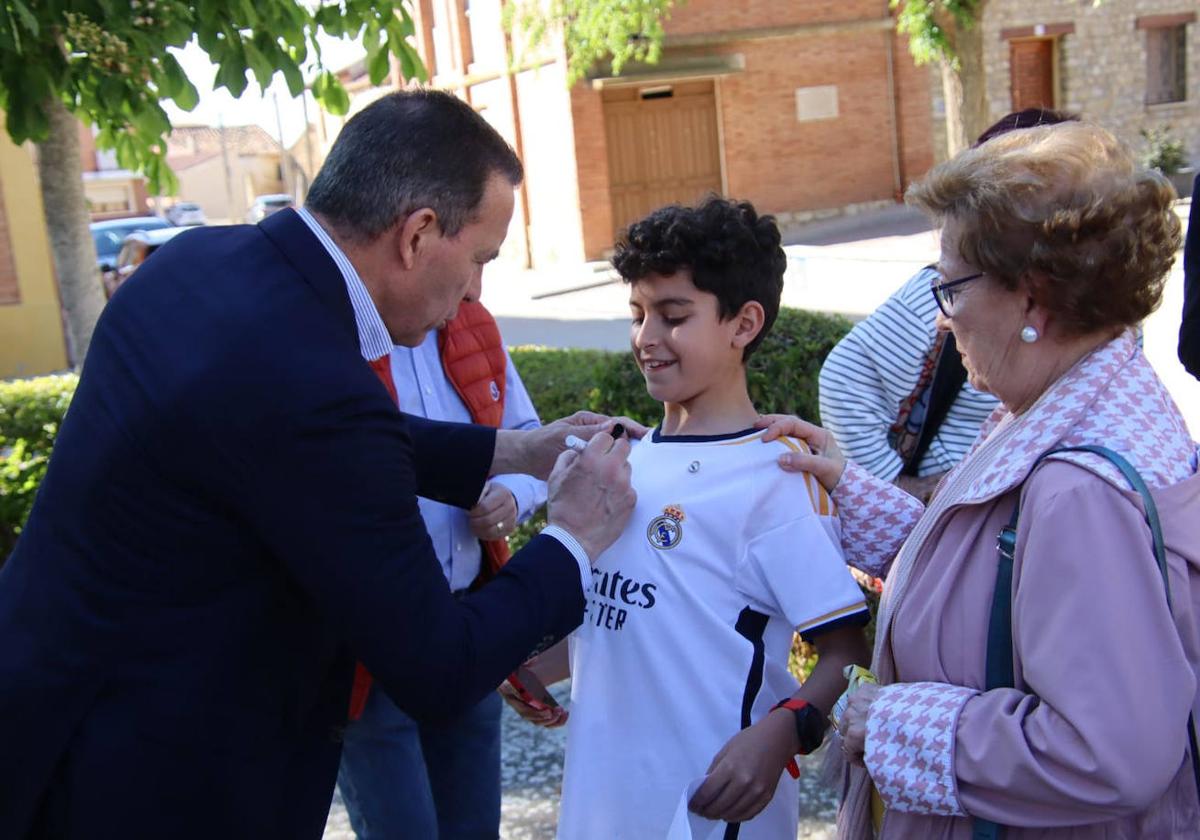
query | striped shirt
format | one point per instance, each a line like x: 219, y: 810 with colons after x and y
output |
x: 875, y: 367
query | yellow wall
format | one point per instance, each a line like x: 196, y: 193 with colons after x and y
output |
x: 31, y: 332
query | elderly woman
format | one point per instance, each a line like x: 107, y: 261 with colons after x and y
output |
x: 1053, y: 248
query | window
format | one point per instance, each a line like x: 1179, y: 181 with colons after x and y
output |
x: 1166, y: 64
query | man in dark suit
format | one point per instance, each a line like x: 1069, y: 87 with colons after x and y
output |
x: 1189, y: 330
x: 229, y: 519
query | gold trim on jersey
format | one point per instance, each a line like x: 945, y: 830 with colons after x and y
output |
x: 830, y: 616
x: 822, y: 502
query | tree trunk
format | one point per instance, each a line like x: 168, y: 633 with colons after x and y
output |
x: 952, y: 92
x: 965, y: 89
x: 61, y: 174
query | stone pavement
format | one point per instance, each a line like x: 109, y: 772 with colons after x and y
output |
x: 531, y: 775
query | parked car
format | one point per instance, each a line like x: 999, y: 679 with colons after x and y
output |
x: 135, y: 250
x: 109, y: 235
x: 185, y: 213
x: 265, y: 205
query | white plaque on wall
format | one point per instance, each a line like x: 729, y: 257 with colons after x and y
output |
x: 816, y: 103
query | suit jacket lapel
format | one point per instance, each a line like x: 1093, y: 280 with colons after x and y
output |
x: 288, y: 232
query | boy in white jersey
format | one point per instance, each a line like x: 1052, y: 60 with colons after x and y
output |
x: 680, y: 665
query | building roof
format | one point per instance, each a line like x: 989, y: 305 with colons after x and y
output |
x: 188, y: 145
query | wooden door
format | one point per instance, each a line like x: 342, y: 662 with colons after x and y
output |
x: 1032, y: 65
x: 662, y: 147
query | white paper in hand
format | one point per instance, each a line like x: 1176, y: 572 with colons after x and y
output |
x: 689, y: 826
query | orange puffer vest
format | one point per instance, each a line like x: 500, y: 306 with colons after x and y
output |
x: 472, y: 355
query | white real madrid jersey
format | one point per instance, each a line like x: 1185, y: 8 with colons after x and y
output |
x: 687, y: 630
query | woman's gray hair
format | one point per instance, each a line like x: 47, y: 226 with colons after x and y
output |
x: 1066, y: 209
x: 404, y: 152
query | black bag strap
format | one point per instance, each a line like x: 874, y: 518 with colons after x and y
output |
x: 947, y: 381
x: 999, y: 669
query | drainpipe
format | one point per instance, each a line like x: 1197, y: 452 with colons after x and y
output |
x: 518, y: 140
x: 893, y: 117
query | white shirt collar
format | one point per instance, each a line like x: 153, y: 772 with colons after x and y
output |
x: 373, y: 338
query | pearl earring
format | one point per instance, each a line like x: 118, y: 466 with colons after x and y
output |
x: 1029, y: 334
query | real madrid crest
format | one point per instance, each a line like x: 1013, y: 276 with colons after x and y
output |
x: 666, y: 531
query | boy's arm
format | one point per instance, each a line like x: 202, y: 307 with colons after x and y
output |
x: 836, y: 649
x: 745, y: 773
x: 551, y: 666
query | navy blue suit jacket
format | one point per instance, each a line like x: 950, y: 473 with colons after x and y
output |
x: 229, y: 520
x: 1189, y: 329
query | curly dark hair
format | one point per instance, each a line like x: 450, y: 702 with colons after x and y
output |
x: 731, y: 251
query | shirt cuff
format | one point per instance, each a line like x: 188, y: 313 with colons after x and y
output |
x: 572, y: 545
x: 910, y: 746
x: 525, y: 492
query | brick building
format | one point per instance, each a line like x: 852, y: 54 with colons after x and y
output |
x: 806, y: 109
x: 1126, y: 64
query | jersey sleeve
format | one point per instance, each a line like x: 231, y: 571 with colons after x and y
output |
x: 796, y: 571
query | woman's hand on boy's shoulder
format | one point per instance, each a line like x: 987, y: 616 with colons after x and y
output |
x: 824, y: 459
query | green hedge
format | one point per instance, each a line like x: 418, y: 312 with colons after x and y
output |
x: 782, y: 378
x: 30, y: 413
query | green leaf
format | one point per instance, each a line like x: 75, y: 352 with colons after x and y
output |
x: 293, y: 77
x: 209, y: 12
x: 330, y: 19
x: 232, y: 71
x: 27, y: 17
x: 173, y: 77
x: 126, y: 156
x: 407, y: 27
x: 150, y: 123
x: 259, y: 63
x: 320, y: 83
x: 410, y: 68
x: 334, y: 97
x: 17, y: 125
x: 247, y: 15
x: 112, y: 93
x: 299, y: 16
x: 177, y: 31
x: 188, y: 97
x: 378, y: 66
x: 208, y: 41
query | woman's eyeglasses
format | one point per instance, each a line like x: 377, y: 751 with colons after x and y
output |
x: 943, y: 289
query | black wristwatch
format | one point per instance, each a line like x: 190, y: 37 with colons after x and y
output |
x: 810, y: 723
